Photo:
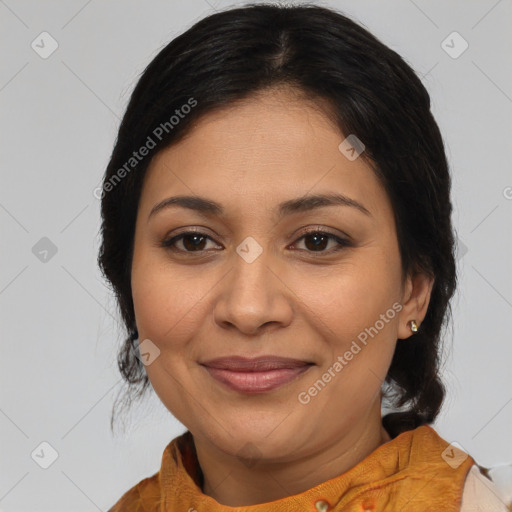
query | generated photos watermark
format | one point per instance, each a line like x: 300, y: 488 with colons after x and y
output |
x: 305, y: 397
x: 158, y: 133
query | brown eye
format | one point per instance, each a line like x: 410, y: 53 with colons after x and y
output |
x: 317, y: 241
x: 192, y: 241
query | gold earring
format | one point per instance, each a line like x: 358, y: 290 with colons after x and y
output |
x: 413, y: 325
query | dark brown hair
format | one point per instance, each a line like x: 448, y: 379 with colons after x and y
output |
x: 373, y: 93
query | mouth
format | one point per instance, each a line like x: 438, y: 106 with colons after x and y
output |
x: 257, y: 375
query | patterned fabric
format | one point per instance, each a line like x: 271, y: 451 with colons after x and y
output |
x: 417, y: 471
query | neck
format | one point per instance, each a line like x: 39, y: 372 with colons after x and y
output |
x: 231, y: 483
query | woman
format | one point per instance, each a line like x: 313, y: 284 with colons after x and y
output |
x: 277, y: 229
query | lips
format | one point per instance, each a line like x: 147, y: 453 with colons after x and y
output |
x: 257, y: 364
x: 257, y: 375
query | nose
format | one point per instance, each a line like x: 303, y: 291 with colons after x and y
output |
x: 254, y: 296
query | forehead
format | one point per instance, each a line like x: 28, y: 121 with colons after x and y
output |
x: 271, y: 147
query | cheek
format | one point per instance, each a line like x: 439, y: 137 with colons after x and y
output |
x: 353, y: 297
x: 168, y: 310
x: 167, y: 301
x: 354, y: 313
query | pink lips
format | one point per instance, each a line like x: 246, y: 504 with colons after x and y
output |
x: 256, y: 375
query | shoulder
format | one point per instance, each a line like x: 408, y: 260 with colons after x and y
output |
x: 142, y: 497
x: 147, y: 495
x: 480, y: 494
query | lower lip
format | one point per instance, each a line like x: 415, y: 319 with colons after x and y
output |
x: 256, y: 382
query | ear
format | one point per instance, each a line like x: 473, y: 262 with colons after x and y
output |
x: 415, y: 301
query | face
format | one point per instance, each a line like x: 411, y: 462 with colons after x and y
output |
x: 270, y: 272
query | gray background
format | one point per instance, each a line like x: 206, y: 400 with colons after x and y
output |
x: 59, y: 325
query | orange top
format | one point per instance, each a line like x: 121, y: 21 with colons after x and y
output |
x: 417, y: 471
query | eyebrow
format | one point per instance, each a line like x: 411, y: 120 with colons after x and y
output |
x: 302, y: 204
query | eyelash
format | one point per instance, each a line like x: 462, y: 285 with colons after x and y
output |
x: 342, y: 243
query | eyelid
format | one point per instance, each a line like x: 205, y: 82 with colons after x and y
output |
x: 321, y: 229
x: 166, y: 241
x: 343, y: 241
x: 293, y: 236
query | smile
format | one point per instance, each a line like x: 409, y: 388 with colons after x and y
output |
x: 245, y: 381
x: 257, y: 374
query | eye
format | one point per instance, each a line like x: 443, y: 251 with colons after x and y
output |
x: 315, y: 240
x: 192, y: 241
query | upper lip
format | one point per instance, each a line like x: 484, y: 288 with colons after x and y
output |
x: 256, y: 364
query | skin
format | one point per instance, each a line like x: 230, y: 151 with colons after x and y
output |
x: 293, y: 300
